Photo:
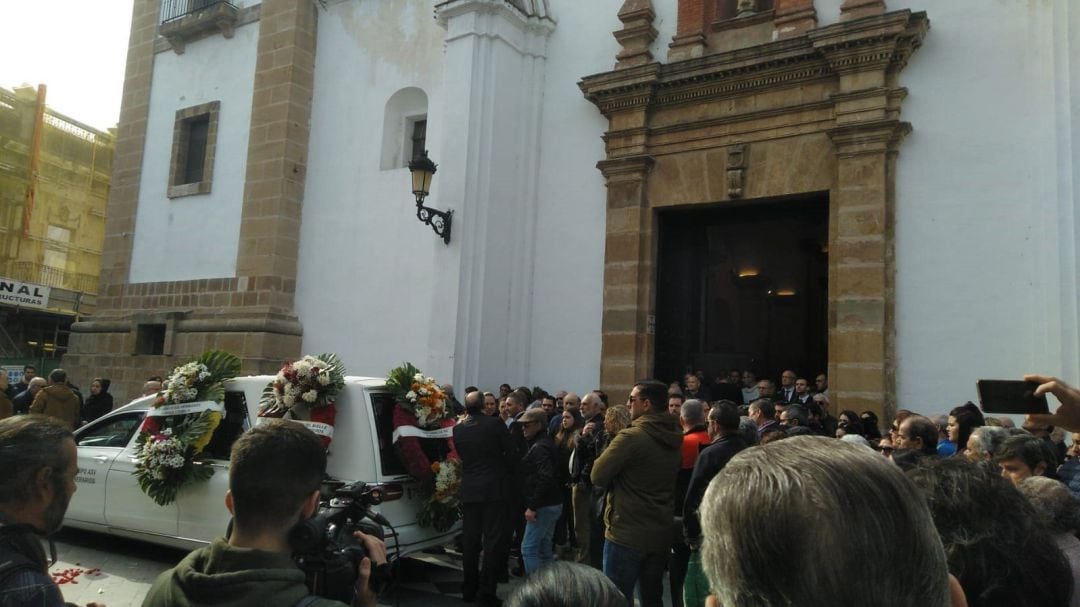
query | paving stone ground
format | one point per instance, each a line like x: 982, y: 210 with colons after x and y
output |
x: 117, y: 572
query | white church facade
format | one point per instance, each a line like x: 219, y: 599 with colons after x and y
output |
x: 261, y: 193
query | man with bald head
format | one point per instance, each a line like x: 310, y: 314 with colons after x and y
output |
x: 592, y: 411
x: 152, y: 386
x: 570, y: 402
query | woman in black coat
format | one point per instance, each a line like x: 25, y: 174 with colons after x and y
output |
x: 100, y: 401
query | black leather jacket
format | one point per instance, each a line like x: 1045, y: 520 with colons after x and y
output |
x: 539, y: 477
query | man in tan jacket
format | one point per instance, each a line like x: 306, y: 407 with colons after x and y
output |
x: 58, y: 400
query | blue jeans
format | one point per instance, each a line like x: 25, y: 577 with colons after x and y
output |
x: 536, y: 545
x: 628, y: 567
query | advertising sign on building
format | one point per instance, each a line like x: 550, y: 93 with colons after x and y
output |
x: 23, y: 294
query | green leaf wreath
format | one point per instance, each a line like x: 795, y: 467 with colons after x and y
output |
x: 169, y: 445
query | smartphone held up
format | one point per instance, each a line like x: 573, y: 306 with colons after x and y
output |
x: 1010, y: 396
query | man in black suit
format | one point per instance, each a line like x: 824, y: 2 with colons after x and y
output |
x: 484, y: 444
x: 802, y: 392
x: 787, y: 387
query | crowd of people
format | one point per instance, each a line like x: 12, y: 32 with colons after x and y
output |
x: 54, y: 395
x: 765, y: 500
x: 624, y: 488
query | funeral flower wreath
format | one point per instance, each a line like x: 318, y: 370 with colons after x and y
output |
x: 306, y: 391
x: 180, y: 423
x: 423, y: 425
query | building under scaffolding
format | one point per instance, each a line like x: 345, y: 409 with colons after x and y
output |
x: 54, y: 184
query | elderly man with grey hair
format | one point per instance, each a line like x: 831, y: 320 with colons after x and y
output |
x: 24, y: 399
x: 805, y: 481
x: 984, y: 442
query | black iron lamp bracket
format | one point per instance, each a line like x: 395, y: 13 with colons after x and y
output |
x: 438, y: 220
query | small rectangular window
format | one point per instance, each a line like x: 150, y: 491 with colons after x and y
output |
x: 150, y: 339
x: 419, y: 137
x: 194, y: 136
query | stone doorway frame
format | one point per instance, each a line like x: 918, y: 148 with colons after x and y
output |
x: 816, y: 111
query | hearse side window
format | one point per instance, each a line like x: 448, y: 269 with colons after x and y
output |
x: 113, y: 432
x: 383, y: 405
x: 232, y: 425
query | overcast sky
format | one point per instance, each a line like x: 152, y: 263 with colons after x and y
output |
x: 76, y: 48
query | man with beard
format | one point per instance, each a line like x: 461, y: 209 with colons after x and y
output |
x: 38, y: 463
x: 638, y: 468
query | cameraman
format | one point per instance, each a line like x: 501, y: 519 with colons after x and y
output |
x: 274, y: 479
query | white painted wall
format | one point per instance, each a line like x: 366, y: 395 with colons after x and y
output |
x: 571, y: 218
x: 369, y: 273
x: 195, y: 237
x: 985, y: 225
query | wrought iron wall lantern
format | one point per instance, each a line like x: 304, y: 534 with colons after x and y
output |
x: 423, y: 169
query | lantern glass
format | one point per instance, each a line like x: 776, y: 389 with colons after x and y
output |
x: 422, y: 169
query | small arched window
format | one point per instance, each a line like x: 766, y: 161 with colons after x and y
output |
x: 404, y: 128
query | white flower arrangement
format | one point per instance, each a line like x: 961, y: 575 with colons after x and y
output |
x: 163, y: 451
x: 312, y: 380
x: 182, y: 385
x: 447, y: 482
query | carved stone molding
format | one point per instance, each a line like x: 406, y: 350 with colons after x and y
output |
x: 737, y: 156
x: 882, y: 42
x: 636, y: 34
x: 627, y: 168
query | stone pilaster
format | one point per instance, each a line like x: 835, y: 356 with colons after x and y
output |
x: 866, y: 136
x: 628, y: 346
x: 278, y: 144
x: 493, y: 297
x: 130, y: 142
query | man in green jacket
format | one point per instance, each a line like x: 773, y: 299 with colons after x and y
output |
x: 274, y: 477
x: 638, y: 468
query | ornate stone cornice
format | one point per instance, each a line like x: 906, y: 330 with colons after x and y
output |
x: 871, y: 137
x: 628, y: 167
x: 871, y: 42
x: 876, y: 42
x: 622, y: 89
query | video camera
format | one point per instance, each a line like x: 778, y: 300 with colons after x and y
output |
x: 324, y: 546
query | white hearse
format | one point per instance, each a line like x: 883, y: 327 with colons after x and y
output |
x: 109, y: 500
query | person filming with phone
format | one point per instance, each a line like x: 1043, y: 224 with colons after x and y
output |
x: 275, y: 473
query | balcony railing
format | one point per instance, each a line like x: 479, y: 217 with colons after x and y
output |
x: 185, y: 20
x: 27, y: 271
x: 172, y: 10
